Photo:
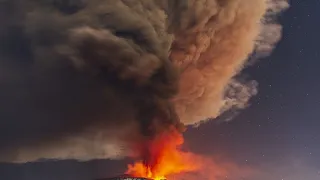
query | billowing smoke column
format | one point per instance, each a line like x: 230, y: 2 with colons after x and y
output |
x: 89, y: 79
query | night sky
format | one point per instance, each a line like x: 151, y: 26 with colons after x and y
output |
x: 276, y: 137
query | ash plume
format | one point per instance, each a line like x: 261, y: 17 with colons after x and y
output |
x: 214, y: 44
x: 87, y: 79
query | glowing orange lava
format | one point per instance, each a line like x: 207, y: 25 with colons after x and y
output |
x: 167, y: 158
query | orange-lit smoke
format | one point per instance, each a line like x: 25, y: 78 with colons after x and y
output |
x: 166, y: 158
x: 169, y: 161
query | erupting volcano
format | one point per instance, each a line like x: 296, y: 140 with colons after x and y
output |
x: 101, y: 79
x: 164, y: 157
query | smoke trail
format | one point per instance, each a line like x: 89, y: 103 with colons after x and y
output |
x: 85, y: 79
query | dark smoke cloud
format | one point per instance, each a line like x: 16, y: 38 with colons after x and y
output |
x: 71, y: 70
x: 83, y: 79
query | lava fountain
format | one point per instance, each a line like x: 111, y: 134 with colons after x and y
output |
x: 164, y: 157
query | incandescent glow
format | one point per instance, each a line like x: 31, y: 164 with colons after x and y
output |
x: 166, y: 158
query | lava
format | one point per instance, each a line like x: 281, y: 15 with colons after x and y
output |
x: 165, y: 158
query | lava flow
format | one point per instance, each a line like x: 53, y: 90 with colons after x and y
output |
x: 164, y: 158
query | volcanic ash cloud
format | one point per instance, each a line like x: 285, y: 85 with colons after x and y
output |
x: 88, y: 79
